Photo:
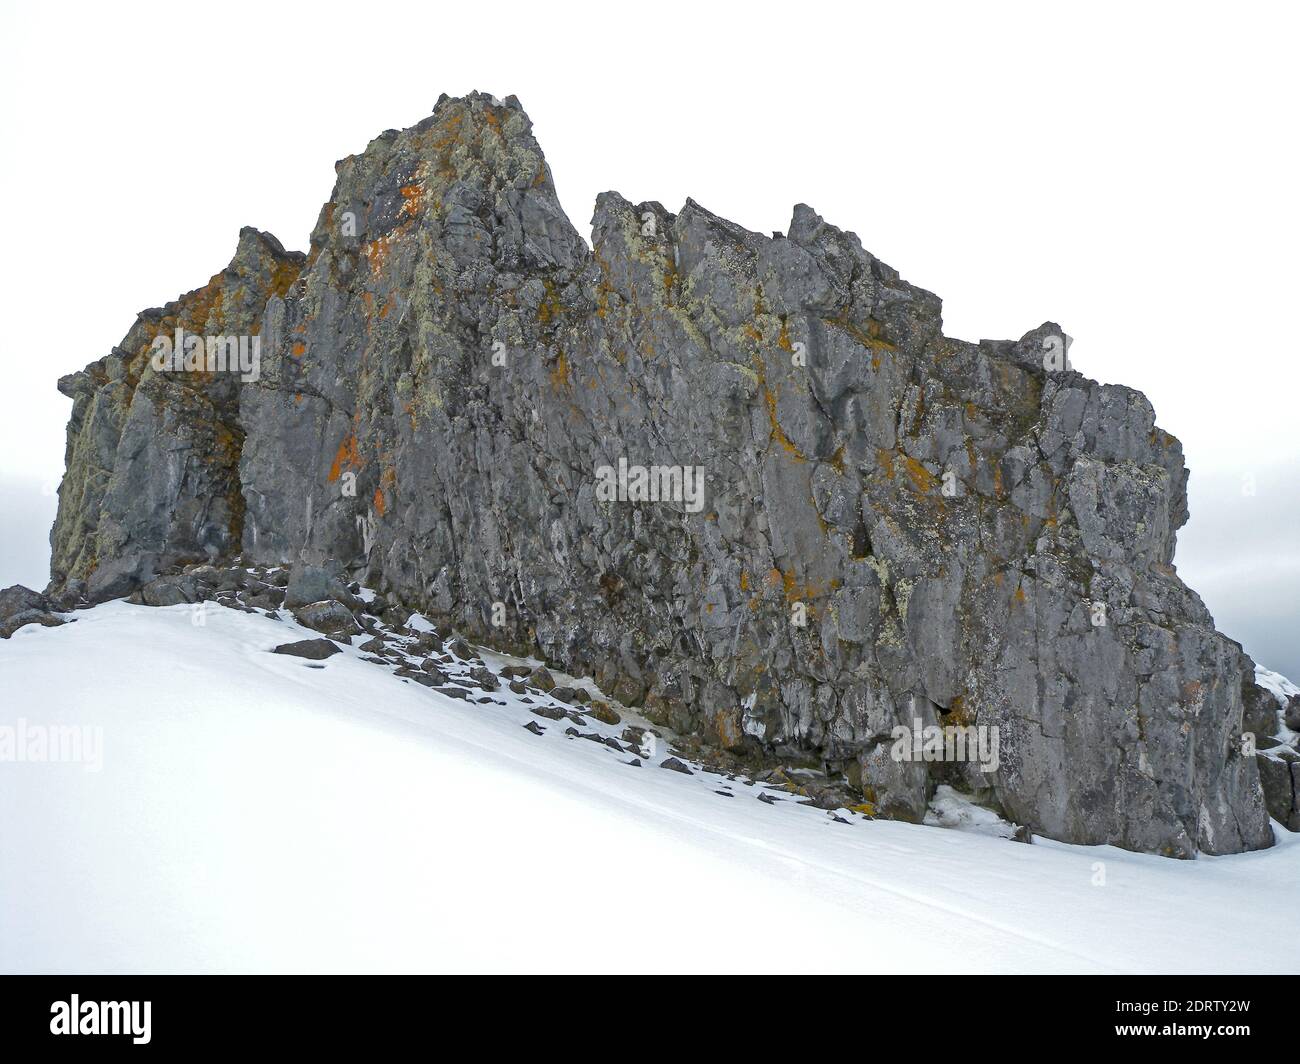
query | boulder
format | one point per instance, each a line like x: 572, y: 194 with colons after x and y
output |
x: 20, y: 606
x: 329, y: 617
x: 312, y: 649
x: 310, y: 584
x: 1279, y: 772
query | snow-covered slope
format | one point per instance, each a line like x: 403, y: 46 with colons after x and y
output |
x: 260, y: 812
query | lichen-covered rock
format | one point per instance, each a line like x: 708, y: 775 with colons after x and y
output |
x: 152, y: 459
x: 743, y: 481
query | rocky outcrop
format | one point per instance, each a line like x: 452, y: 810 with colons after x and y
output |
x: 744, y: 481
x: 152, y: 460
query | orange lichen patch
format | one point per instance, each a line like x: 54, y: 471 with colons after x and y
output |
x: 388, y: 306
x: 284, y: 277
x: 922, y: 479
x: 450, y: 131
x: 412, y: 199
x: 670, y: 278
x: 379, y: 502
x: 753, y: 333
x: 796, y: 592
x: 203, y: 305
x: 958, y: 714
x: 376, y: 251
x: 549, y: 308
x: 298, y: 350
x: 603, y: 290
x: 836, y: 461
x: 997, y: 578
x: 1020, y: 594
x: 788, y: 585
x: 778, y: 433
x: 744, y: 580
x: 783, y: 338
x: 560, y: 373
x: 869, y: 337
x: 347, y: 455
x: 999, y: 490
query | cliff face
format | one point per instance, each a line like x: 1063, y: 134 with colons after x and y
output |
x: 892, y: 525
x: 152, y: 460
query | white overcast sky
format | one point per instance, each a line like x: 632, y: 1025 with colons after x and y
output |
x: 1126, y: 170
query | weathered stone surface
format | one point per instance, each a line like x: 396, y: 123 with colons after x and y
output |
x: 318, y: 583
x: 542, y: 679
x: 313, y: 649
x: 152, y: 460
x: 893, y: 526
x: 21, y: 606
x: 26, y: 617
x: 172, y: 590
x: 329, y: 618
x: 1279, y: 772
x: 17, y: 599
x: 1260, y: 715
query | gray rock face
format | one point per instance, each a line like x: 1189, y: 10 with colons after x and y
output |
x: 743, y: 481
x: 152, y: 477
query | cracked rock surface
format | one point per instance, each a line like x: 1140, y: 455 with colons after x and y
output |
x: 894, y: 525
